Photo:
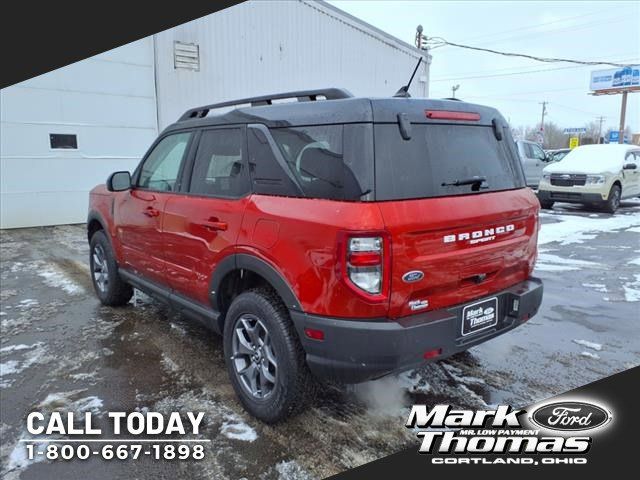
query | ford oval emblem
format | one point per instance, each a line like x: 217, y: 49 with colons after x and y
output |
x: 413, y: 276
x: 570, y: 416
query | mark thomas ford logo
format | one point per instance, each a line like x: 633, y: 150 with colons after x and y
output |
x: 480, y: 235
x: 570, y: 416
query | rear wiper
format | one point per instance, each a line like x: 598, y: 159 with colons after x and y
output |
x: 475, y: 182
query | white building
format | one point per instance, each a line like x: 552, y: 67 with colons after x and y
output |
x: 64, y: 132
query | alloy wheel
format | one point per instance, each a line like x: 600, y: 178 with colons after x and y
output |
x: 100, y: 268
x: 253, y: 356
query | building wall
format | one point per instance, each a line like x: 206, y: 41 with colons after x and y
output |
x: 265, y: 47
x: 107, y: 100
x: 116, y: 102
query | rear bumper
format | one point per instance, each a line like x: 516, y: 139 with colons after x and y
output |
x: 356, y: 351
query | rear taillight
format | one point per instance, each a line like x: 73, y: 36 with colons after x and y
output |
x: 366, y: 263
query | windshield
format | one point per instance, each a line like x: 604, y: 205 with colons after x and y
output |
x: 443, y: 160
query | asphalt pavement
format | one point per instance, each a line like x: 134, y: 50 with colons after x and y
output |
x: 60, y: 349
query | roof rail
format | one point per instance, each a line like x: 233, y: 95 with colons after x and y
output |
x: 303, y: 95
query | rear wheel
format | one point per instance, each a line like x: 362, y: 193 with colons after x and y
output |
x: 613, y: 202
x: 265, y: 361
x: 109, y: 287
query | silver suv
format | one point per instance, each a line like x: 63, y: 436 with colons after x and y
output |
x: 533, y: 159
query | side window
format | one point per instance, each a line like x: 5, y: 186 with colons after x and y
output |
x: 218, y: 169
x: 537, y: 152
x: 267, y: 175
x: 161, y: 168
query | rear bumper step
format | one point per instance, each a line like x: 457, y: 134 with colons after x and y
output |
x: 355, y: 351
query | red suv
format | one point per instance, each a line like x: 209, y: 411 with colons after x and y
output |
x: 337, y: 237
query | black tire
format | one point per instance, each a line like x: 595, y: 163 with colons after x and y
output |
x: 546, y: 204
x: 293, y: 383
x: 613, y: 202
x: 115, y: 291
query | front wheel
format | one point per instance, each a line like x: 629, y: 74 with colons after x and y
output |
x: 613, y: 202
x: 109, y: 287
x: 264, y: 358
x: 546, y: 204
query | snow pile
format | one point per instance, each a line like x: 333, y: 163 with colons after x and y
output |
x: 236, y: 429
x: 632, y: 290
x: 577, y: 229
x: 594, y: 346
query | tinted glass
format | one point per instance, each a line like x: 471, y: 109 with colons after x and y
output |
x: 218, y: 169
x: 442, y: 154
x: 161, y: 168
x: 267, y: 175
x: 315, y: 157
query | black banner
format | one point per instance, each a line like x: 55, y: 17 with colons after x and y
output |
x: 613, y: 448
x: 40, y: 37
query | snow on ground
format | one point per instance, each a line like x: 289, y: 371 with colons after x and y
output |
x: 576, y: 229
x: 632, y: 290
x: 594, y: 356
x: 32, y: 355
x: 236, y: 429
x: 635, y: 261
x: 548, y: 262
x: 598, y: 287
x: 56, y: 278
x: 585, y: 343
x: 291, y: 471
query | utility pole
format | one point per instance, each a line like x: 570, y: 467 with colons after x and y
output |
x: 601, y: 121
x: 544, y: 111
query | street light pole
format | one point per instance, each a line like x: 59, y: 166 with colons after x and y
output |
x: 454, y: 89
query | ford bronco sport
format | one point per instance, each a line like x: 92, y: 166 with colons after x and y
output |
x: 333, y: 237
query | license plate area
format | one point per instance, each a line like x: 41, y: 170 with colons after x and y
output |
x: 480, y: 316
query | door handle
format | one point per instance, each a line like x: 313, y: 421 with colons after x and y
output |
x: 151, y: 212
x: 214, y: 224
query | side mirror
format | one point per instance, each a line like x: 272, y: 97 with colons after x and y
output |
x: 629, y: 166
x: 119, y: 182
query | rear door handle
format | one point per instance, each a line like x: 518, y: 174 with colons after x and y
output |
x: 214, y: 224
x: 151, y: 212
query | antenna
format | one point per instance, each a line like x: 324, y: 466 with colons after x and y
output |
x: 404, y: 91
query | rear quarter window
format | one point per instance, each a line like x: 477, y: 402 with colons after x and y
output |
x: 440, y: 154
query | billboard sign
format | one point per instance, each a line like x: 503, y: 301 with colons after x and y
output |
x: 569, y: 131
x: 615, y: 78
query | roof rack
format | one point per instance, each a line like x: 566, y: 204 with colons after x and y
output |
x: 302, y: 96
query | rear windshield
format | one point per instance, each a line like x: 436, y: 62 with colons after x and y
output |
x: 437, y: 156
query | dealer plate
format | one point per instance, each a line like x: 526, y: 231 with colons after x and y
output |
x: 480, y: 315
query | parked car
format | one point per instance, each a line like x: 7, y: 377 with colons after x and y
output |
x: 557, y: 154
x: 343, y: 238
x: 533, y: 159
x: 595, y: 175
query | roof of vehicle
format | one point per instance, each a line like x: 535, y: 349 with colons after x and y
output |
x: 592, y: 159
x: 324, y: 107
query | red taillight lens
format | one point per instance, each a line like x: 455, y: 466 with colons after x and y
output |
x: 432, y: 353
x: 451, y: 115
x: 364, y: 263
x: 365, y: 259
x: 314, y: 334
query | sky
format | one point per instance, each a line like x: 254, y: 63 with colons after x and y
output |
x: 602, y: 31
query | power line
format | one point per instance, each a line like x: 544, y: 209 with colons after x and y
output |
x: 534, y: 26
x: 523, y: 72
x: 442, y: 41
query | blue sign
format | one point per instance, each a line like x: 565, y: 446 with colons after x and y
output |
x: 614, y: 136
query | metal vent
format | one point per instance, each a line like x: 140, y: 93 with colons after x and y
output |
x: 186, y: 56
